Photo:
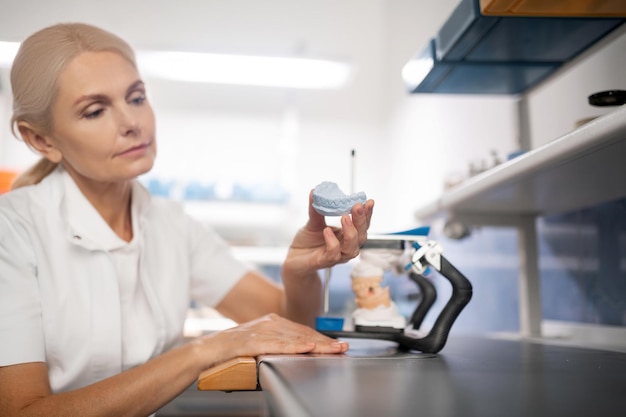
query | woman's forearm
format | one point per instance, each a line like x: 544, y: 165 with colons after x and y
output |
x: 303, y: 297
x: 137, y: 392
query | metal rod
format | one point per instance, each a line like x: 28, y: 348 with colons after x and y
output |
x: 326, y: 289
x: 352, y: 171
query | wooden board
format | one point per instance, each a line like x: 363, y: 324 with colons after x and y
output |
x: 238, y: 374
x: 554, y: 8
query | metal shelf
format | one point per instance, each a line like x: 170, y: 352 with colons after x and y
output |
x: 583, y: 168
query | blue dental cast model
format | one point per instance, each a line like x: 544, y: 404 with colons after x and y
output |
x: 329, y: 200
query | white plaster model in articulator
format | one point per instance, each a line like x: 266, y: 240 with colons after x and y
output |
x: 374, y: 304
x: 377, y: 316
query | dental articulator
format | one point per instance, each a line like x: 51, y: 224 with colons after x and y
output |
x: 376, y: 315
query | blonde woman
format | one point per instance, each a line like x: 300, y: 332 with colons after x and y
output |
x: 96, y: 275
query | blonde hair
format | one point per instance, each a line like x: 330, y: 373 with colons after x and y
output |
x: 39, y: 61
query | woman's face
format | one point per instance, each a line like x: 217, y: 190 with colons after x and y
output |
x: 104, y: 129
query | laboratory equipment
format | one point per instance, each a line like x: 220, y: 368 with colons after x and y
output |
x: 422, y: 256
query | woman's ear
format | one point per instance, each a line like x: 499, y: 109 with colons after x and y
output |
x: 39, y: 142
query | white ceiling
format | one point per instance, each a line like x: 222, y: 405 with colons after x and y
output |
x: 266, y: 27
x: 361, y: 32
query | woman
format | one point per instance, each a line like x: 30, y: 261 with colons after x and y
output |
x: 96, y: 276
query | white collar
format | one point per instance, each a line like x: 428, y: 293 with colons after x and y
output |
x: 85, y: 225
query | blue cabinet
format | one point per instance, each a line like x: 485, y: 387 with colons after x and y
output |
x: 477, y: 54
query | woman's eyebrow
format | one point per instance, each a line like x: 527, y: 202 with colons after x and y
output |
x: 103, y: 97
x: 135, y: 85
x: 90, y: 97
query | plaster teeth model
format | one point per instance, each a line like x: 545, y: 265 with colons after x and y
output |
x: 374, y: 305
x: 329, y: 200
x: 380, y: 316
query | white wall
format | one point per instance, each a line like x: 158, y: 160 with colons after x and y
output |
x: 557, y: 104
x: 406, y: 145
x: 432, y: 137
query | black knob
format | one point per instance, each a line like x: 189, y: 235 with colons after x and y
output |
x: 608, y: 98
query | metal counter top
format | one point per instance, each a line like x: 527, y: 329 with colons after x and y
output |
x: 469, y: 377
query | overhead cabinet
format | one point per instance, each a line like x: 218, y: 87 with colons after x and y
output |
x: 475, y: 53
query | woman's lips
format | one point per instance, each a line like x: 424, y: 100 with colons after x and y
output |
x: 135, y: 150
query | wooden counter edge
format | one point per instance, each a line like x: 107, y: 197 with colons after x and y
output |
x: 238, y: 374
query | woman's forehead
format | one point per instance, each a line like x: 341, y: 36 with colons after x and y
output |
x: 90, y: 72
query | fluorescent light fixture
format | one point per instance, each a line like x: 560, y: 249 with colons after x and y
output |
x: 414, y: 71
x: 8, y: 50
x: 245, y: 70
x: 230, y: 69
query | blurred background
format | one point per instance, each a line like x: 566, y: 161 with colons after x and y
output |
x: 244, y: 157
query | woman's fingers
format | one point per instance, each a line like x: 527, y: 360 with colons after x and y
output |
x: 273, y: 334
x: 316, y: 220
x: 318, y: 246
x: 352, y: 235
x: 350, y: 244
x: 333, y: 347
x: 332, y: 254
x: 343, y: 244
x: 361, y: 218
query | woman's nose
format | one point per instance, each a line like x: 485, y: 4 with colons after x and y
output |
x: 129, y: 122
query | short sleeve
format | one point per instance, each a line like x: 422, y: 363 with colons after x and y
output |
x: 214, y: 268
x: 21, y: 328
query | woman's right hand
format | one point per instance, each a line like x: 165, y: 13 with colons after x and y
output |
x: 270, y: 334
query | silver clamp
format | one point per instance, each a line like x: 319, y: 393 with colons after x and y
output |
x: 426, y: 254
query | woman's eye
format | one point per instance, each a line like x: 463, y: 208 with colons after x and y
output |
x: 138, y: 99
x: 93, y: 114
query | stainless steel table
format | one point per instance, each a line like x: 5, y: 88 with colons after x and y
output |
x: 469, y: 377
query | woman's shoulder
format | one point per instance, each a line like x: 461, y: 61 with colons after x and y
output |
x: 16, y: 216
x: 26, y: 210
x: 44, y: 195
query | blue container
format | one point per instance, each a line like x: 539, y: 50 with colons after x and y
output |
x: 329, y: 324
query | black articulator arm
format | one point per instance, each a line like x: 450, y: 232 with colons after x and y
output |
x: 427, y: 255
x: 428, y: 294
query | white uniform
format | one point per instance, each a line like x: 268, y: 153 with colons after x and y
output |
x: 75, y: 295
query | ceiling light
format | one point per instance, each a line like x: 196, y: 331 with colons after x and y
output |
x: 304, y: 73
x: 245, y: 70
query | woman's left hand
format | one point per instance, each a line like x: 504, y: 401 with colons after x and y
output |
x: 317, y: 245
